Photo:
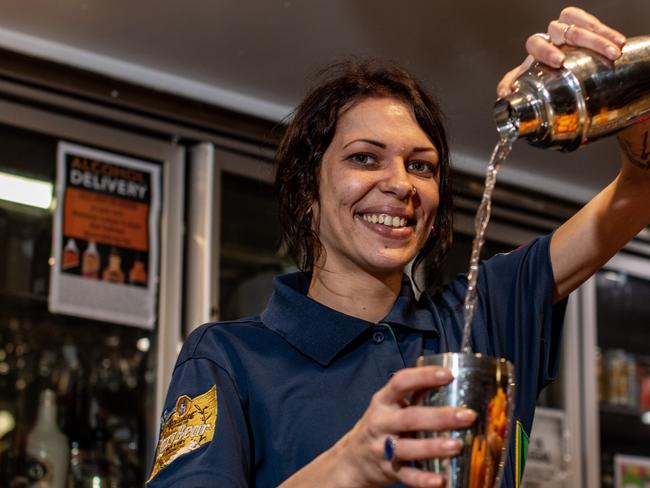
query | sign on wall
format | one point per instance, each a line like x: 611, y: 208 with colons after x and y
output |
x: 105, y: 237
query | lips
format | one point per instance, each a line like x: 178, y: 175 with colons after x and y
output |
x: 393, y: 225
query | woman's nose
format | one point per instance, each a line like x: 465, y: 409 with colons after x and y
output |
x: 396, y: 181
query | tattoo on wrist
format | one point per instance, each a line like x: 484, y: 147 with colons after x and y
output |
x: 642, y: 159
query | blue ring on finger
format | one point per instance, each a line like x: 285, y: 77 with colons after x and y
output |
x: 390, y: 446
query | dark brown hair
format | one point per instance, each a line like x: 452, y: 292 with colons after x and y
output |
x: 310, y: 132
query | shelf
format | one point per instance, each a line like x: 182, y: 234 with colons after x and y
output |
x: 10, y: 299
x: 622, y: 426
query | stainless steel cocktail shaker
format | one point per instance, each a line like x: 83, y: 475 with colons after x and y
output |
x: 486, y: 385
x: 589, y: 98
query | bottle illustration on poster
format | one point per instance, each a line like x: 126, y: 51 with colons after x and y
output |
x: 113, y: 272
x: 90, y: 265
x: 106, y: 263
x: 70, y: 255
x: 138, y: 272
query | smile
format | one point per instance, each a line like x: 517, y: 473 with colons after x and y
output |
x: 387, y: 220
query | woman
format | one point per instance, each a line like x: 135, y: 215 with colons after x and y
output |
x: 314, y: 392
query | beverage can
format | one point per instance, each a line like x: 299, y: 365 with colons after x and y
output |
x: 617, y: 377
x: 602, y: 384
x: 644, y: 383
x: 632, y: 381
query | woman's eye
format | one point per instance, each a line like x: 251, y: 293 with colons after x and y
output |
x: 362, y: 159
x: 421, y: 167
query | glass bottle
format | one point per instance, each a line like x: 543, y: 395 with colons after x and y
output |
x: 100, y: 471
x: 47, y: 447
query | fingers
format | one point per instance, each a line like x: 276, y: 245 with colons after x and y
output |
x: 409, y: 380
x: 574, y: 27
x: 389, y: 415
x: 575, y: 35
x: 577, y: 16
x: 579, y: 28
x: 427, y: 419
x: 421, y: 449
x: 546, y: 52
x: 504, y: 87
x: 419, y: 479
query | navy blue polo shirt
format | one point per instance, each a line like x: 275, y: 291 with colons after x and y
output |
x: 254, y: 400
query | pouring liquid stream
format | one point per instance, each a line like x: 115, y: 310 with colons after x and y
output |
x: 499, y: 155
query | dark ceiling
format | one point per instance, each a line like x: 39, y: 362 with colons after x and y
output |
x: 259, y: 56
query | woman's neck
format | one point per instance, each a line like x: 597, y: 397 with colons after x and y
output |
x: 360, y: 295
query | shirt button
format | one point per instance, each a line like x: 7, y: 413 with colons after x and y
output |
x: 378, y: 337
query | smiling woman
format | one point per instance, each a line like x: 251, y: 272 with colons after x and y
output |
x: 340, y: 128
x: 378, y: 198
x: 316, y: 390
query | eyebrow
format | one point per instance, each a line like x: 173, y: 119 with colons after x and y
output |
x: 369, y: 141
x: 383, y: 146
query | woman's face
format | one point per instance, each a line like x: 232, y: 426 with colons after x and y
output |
x: 368, y: 217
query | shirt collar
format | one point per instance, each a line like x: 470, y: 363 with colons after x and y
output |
x: 321, y: 332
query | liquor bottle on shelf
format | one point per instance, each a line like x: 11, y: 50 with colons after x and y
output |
x: 632, y: 381
x: 47, y: 447
x: 102, y: 467
x: 607, y: 469
x: 617, y: 377
x: 9, y: 454
x: 40, y: 263
x: 644, y: 383
x: 73, y: 397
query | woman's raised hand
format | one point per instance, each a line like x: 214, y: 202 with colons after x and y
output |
x: 390, y: 419
x: 574, y: 27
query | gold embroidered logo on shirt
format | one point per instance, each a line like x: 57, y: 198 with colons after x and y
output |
x: 190, y: 426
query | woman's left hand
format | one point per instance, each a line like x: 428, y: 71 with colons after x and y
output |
x: 574, y: 27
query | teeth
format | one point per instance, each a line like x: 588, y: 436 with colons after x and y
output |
x: 384, y: 219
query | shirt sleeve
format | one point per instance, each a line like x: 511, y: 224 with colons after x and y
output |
x: 203, y: 439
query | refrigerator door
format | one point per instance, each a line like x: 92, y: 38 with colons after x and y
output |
x: 200, y: 235
x: 616, y: 371
x: 233, y: 235
x: 109, y: 378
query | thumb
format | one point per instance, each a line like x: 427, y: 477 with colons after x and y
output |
x: 504, y: 87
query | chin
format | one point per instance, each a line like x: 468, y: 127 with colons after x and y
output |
x: 387, y: 266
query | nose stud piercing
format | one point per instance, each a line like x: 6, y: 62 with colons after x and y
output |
x: 413, y: 191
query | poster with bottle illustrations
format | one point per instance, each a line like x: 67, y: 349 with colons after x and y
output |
x: 105, y: 237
